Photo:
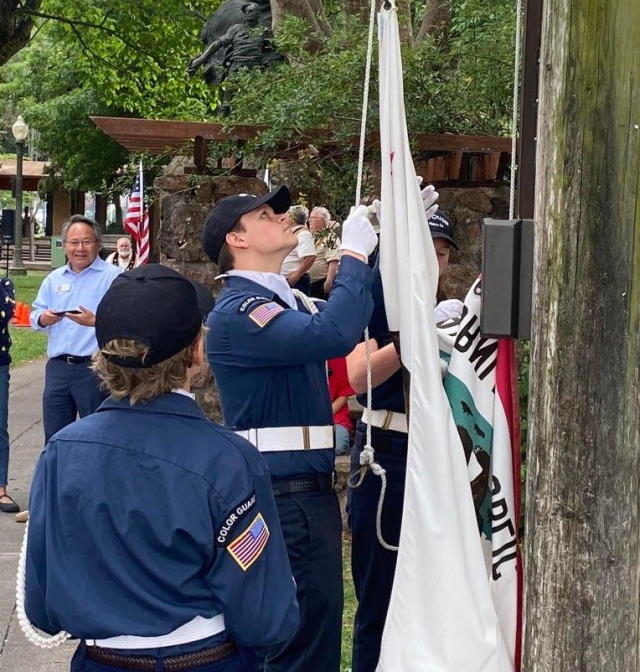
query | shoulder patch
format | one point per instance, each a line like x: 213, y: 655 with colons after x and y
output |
x: 248, y: 547
x: 265, y: 312
x: 250, y: 300
x: 232, y: 519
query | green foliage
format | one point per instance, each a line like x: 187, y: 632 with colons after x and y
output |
x: 123, y: 58
x: 26, y: 343
x: 458, y: 85
x: 129, y: 62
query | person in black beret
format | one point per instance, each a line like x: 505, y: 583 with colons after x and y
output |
x: 153, y: 534
x: 267, y: 346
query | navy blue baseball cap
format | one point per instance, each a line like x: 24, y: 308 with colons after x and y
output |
x: 440, y: 227
x: 153, y: 305
x: 229, y: 210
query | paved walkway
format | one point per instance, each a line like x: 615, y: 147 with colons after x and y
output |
x: 25, y: 430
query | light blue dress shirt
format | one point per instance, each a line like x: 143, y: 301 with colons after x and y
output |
x: 63, y: 289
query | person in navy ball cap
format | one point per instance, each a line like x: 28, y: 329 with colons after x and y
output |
x: 153, y: 534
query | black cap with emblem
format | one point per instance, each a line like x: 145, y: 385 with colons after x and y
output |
x: 153, y: 305
x: 440, y: 227
x: 229, y: 210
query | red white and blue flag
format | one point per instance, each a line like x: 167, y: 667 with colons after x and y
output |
x: 246, y: 549
x: 136, y: 221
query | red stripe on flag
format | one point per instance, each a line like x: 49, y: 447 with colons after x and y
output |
x: 507, y: 387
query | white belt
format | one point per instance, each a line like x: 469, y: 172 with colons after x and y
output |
x: 193, y: 631
x: 277, y: 439
x: 397, y: 422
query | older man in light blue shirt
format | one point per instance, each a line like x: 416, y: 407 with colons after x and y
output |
x: 65, y: 309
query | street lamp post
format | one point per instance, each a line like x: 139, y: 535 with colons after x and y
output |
x: 20, y: 131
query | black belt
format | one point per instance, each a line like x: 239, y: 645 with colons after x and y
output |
x: 185, y: 661
x: 292, y: 486
x: 73, y: 359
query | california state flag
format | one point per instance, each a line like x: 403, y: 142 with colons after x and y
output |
x: 442, y: 616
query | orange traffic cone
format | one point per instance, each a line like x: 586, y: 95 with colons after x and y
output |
x: 16, y: 314
x: 24, y: 316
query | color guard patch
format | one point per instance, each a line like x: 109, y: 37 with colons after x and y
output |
x: 233, y: 519
x: 247, y: 548
x: 249, y: 301
x: 264, y: 313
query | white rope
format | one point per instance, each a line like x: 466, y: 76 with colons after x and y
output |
x: 36, y: 637
x: 365, y: 100
x: 367, y: 455
x: 514, y: 112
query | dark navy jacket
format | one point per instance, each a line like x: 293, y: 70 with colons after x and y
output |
x: 7, y: 307
x: 132, y: 518
x: 269, y: 360
x: 389, y: 395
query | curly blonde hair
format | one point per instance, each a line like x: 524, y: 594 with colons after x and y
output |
x: 140, y: 384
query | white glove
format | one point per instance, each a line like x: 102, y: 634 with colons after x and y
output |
x: 357, y: 233
x: 429, y: 200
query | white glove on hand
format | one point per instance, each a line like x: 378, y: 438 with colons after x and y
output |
x: 357, y: 233
x: 429, y: 200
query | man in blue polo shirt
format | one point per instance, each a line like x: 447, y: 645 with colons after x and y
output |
x: 268, y: 349
x: 65, y: 309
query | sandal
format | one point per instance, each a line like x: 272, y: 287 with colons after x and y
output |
x: 10, y: 506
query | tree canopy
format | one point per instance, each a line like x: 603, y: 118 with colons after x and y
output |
x: 122, y: 58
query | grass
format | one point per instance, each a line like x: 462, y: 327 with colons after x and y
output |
x: 349, y: 605
x: 27, y: 344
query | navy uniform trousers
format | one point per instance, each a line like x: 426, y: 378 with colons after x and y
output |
x: 70, y: 390
x: 373, y: 566
x: 312, y: 527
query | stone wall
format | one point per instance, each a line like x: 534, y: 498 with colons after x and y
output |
x: 467, y: 209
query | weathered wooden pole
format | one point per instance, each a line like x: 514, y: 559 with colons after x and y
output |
x: 583, y: 490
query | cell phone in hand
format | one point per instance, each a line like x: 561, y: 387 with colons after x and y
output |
x: 71, y: 311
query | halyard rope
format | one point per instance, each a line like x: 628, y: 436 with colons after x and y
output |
x: 367, y: 455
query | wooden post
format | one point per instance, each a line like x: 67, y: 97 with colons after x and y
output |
x: 582, y: 542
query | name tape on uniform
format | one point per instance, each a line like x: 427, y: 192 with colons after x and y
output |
x: 264, y: 313
x: 235, y: 516
x: 249, y: 301
x: 248, y: 547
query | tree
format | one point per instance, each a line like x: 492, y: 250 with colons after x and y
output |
x: 15, y: 26
x: 582, y: 546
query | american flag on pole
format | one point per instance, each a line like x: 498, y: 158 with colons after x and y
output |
x: 136, y: 221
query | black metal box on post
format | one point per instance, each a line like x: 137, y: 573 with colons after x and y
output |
x: 7, y: 226
x: 507, y: 278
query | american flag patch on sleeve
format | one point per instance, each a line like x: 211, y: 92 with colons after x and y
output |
x: 246, y: 549
x: 264, y: 313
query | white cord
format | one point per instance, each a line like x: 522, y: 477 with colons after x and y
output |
x: 367, y: 455
x: 36, y: 637
x: 365, y: 100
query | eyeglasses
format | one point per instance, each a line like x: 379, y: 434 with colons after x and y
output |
x: 81, y: 243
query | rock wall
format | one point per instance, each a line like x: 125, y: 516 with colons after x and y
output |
x: 467, y: 209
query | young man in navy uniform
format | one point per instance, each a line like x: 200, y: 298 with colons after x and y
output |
x: 154, y: 535
x: 268, y: 351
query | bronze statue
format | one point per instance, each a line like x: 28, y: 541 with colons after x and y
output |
x: 237, y: 36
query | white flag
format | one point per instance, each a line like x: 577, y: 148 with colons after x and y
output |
x: 441, y: 616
